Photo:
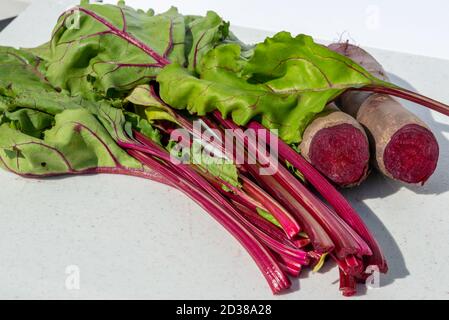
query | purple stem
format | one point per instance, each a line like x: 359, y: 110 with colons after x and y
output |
x: 410, y: 96
x: 190, y: 173
x: 300, y: 243
x: 270, y: 269
x: 144, y: 173
x: 330, y: 194
x: 291, y: 271
x: 347, y: 284
x: 194, y: 177
x: 288, y: 223
x: 270, y: 236
x: 347, y: 242
x: 292, y: 268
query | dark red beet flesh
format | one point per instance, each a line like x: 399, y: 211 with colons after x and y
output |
x: 341, y: 153
x: 412, y: 154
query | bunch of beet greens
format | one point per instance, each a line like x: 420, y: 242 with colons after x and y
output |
x: 113, y: 85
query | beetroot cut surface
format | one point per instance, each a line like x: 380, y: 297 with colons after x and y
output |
x: 412, y: 154
x: 341, y: 153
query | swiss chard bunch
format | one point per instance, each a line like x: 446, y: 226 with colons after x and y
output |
x: 45, y: 132
x: 105, y: 94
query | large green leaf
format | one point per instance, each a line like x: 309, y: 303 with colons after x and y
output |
x: 108, y: 49
x: 289, y: 64
x: 285, y: 83
x: 19, y: 70
x: 45, y: 132
x: 24, y: 85
x: 77, y: 143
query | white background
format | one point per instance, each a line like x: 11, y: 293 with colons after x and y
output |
x: 412, y: 26
x: 419, y: 27
x: 131, y: 238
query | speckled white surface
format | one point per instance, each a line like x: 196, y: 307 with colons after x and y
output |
x: 132, y: 238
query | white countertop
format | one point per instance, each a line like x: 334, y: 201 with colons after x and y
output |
x: 131, y: 238
x: 409, y: 26
x: 11, y: 8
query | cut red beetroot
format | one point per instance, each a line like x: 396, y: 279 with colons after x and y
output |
x: 412, y: 154
x: 403, y: 146
x: 341, y: 153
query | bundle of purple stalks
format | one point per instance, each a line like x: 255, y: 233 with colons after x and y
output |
x: 123, y: 91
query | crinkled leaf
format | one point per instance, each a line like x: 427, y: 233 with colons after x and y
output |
x: 154, y: 113
x: 113, y: 120
x: 222, y: 168
x: 29, y: 121
x: 134, y: 121
x: 285, y: 83
x: 43, y: 51
x: 202, y: 35
x: 45, y: 132
x: 226, y: 171
x: 98, y: 49
x: 77, y: 143
x: 141, y: 95
x: 20, y: 70
x: 120, y: 123
x: 298, y: 64
x: 23, y: 85
x: 103, y: 47
x: 154, y: 109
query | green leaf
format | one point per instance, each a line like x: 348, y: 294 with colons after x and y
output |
x: 77, y: 143
x: 298, y: 64
x: 28, y: 121
x: 154, y: 108
x: 108, y: 48
x: 141, y: 95
x: 285, y: 83
x: 268, y: 216
x: 23, y: 85
x: 134, y: 121
x: 43, y: 51
x: 20, y: 70
x: 45, y: 132
x: 220, y: 167
x: 203, y: 34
